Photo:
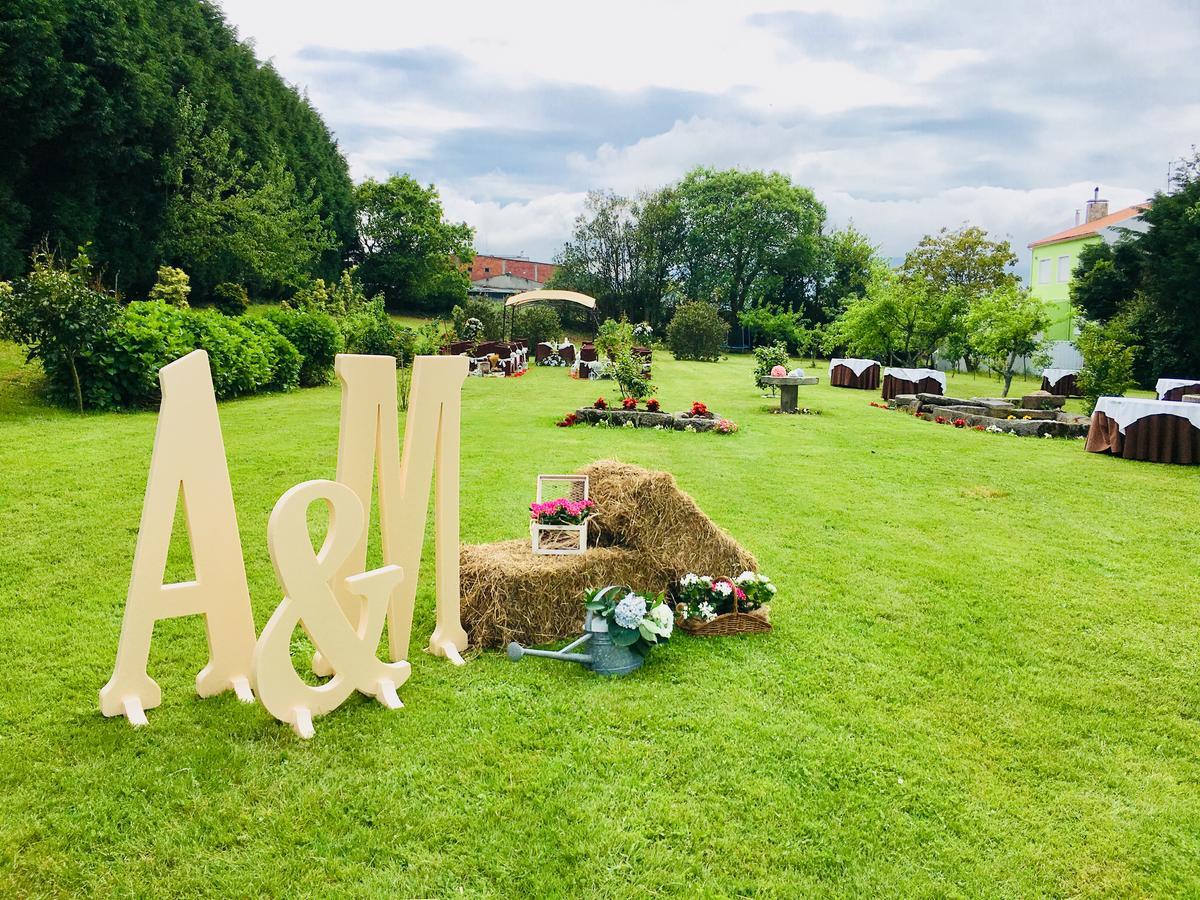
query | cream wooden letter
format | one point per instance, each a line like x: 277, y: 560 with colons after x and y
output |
x: 369, y: 442
x: 307, y: 579
x: 189, y: 454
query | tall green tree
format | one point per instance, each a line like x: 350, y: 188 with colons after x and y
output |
x: 230, y: 220
x: 1006, y: 326
x: 410, y: 253
x: 741, y: 226
x: 899, y: 320
x: 88, y: 102
x: 1145, y: 284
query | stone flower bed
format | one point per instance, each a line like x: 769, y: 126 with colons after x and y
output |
x: 589, y: 415
x: 995, y: 415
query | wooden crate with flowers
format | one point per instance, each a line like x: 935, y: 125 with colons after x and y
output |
x: 708, y: 607
x: 558, y: 525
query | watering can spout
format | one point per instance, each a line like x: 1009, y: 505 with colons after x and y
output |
x: 516, y: 651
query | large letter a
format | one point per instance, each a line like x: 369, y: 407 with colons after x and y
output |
x: 188, y: 454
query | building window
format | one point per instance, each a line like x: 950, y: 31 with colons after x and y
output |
x: 1064, y: 268
x: 1043, y: 271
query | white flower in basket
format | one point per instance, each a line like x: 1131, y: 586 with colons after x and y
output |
x: 558, y: 526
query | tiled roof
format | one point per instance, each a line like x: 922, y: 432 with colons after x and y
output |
x: 1095, y: 226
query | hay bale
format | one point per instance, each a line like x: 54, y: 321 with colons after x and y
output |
x: 511, y: 594
x: 646, y: 511
x: 646, y: 533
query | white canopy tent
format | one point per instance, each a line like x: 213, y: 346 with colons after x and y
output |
x: 542, y: 296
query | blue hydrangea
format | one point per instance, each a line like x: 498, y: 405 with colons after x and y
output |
x: 630, y: 611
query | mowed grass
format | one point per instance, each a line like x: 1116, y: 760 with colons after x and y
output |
x: 982, y: 682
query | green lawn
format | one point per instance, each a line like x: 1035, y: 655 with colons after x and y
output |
x: 983, y: 680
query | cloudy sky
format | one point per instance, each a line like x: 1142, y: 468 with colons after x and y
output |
x: 902, y: 117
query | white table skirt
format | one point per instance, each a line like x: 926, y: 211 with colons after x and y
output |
x: 1127, y: 410
x: 1167, y: 384
x: 857, y: 366
x: 1054, y: 376
x: 915, y: 375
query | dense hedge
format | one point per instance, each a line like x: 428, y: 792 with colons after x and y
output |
x: 247, y: 354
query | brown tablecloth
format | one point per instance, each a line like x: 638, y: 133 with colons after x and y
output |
x: 1161, y: 438
x: 1064, y: 387
x: 843, y: 376
x: 893, y: 386
x: 1177, y: 393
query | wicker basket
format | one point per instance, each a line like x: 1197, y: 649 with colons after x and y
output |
x: 736, y: 622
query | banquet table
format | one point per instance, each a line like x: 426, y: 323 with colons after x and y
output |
x: 1175, y: 388
x: 1153, y: 430
x: 912, y: 381
x: 1060, y: 382
x: 862, y: 374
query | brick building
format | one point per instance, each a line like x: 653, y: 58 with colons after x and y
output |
x: 503, y: 276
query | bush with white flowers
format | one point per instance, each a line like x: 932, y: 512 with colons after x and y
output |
x: 704, y: 598
x: 635, y: 620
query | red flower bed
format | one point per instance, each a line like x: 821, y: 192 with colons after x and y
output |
x: 960, y: 423
x: 941, y: 420
x: 652, y: 405
x: 569, y: 420
x: 699, y: 409
x: 600, y: 403
x: 629, y: 403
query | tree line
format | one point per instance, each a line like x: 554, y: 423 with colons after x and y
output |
x: 738, y: 239
x: 146, y: 131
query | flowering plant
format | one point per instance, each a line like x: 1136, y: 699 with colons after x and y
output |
x: 941, y: 420
x: 553, y: 360
x: 699, y: 410
x: 724, y: 426
x: 758, y: 589
x: 960, y: 423
x: 634, y: 620
x: 652, y: 405
x: 704, y: 597
x: 977, y: 427
x: 643, y: 332
x: 568, y: 420
x: 629, y: 403
x: 561, y: 511
x: 600, y: 403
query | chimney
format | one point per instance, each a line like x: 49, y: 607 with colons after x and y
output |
x: 1077, y: 217
x: 1096, y: 208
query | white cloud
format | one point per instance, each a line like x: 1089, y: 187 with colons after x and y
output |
x: 904, y: 117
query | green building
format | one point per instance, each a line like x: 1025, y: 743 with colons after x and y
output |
x: 1054, y: 258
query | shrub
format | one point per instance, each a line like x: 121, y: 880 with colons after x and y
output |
x: 537, y: 324
x: 626, y: 370
x: 241, y: 359
x: 1107, y: 362
x: 697, y: 331
x: 122, y: 368
x: 371, y: 330
x: 614, y: 338
x: 490, y: 313
x: 316, y: 336
x: 171, y: 287
x: 339, y: 299
x: 60, y: 316
x: 768, y: 325
x: 284, y: 357
x: 230, y: 299
x: 768, y: 357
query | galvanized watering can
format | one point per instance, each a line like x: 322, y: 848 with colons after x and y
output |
x: 603, y: 656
